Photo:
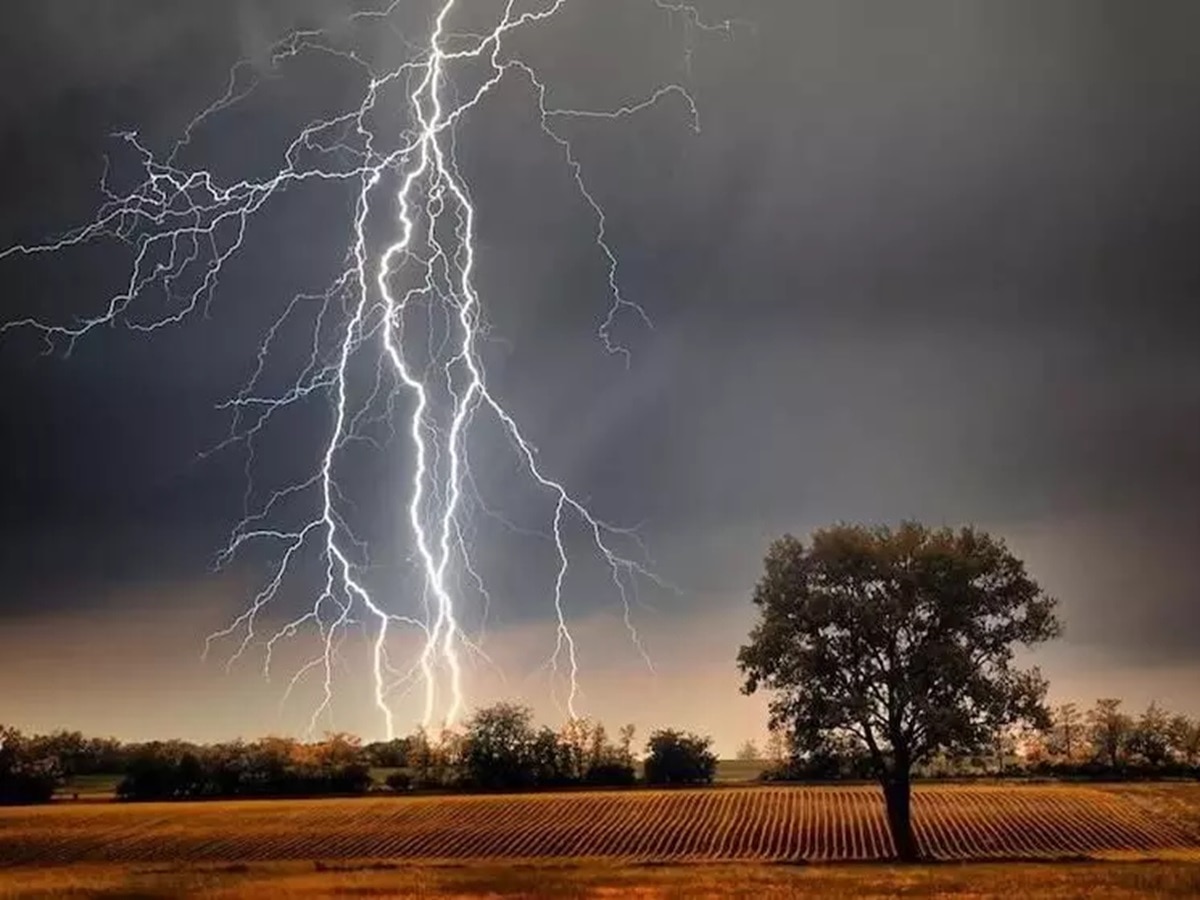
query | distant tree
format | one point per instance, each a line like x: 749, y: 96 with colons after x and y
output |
x: 748, y: 752
x: 435, y: 760
x: 779, y: 749
x: 1031, y: 747
x: 611, y: 764
x: 267, y: 764
x: 593, y: 758
x: 899, y: 641
x: 391, y: 754
x: 625, y: 742
x: 69, y: 750
x: 498, y: 747
x: 154, y: 771
x: 836, y: 758
x: 599, y: 750
x: 1005, y: 743
x: 1110, y: 730
x: 27, y: 774
x: 577, y: 740
x: 422, y: 758
x: 227, y: 769
x: 337, y: 764
x: 678, y: 757
x: 1185, y: 740
x: 104, y: 756
x: 1066, y: 735
x: 1150, y: 737
x: 551, y: 760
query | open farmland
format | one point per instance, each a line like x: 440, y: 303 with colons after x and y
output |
x: 817, y: 824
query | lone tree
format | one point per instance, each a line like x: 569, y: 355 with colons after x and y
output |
x: 748, y: 752
x: 1066, y: 733
x: 899, y: 642
x: 1111, y: 731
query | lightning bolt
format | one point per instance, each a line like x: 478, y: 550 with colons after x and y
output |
x: 182, y: 226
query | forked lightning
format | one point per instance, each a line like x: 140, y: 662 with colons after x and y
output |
x: 411, y: 300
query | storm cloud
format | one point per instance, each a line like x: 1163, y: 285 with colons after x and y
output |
x: 928, y: 260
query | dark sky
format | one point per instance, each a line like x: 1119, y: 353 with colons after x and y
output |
x: 932, y: 259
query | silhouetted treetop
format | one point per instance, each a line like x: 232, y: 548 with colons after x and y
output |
x: 902, y: 640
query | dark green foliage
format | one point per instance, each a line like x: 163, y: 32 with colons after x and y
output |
x: 433, y: 762
x: 498, y: 751
x: 28, y: 774
x: 399, y: 782
x: 550, y: 759
x: 501, y: 750
x: 1150, y: 737
x: 836, y: 760
x: 272, y: 767
x: 678, y: 757
x: 611, y: 773
x: 393, y: 754
x: 898, y: 642
x: 79, y: 755
x: 1110, y: 731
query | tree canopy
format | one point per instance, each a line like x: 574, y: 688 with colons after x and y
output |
x: 900, y: 641
x: 679, y: 757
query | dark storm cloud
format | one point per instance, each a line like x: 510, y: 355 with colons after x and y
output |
x: 928, y: 259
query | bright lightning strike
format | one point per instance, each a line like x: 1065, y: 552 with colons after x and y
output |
x: 183, y: 226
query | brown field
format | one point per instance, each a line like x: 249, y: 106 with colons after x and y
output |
x: 267, y: 881
x: 759, y: 824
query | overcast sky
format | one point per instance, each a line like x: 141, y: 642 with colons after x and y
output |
x: 932, y: 260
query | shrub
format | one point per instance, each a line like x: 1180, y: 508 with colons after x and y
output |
x: 677, y: 757
x: 399, y: 782
x: 612, y: 773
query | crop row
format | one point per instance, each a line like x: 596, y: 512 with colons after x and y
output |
x: 814, y: 824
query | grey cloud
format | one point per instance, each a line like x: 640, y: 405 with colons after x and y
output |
x: 933, y: 259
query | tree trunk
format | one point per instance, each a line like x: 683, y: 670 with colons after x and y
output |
x: 897, y: 793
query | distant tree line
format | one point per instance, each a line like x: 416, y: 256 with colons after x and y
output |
x: 273, y: 766
x: 1105, y: 742
x: 1101, y: 743
x: 499, y: 748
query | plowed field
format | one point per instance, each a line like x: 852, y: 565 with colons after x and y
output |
x: 746, y: 824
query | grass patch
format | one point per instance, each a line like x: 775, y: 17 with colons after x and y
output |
x: 90, y: 787
x: 732, y: 770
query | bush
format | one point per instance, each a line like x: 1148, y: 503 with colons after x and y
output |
x: 399, y: 782
x: 611, y: 774
x: 26, y: 788
x: 834, y: 761
x: 677, y: 757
